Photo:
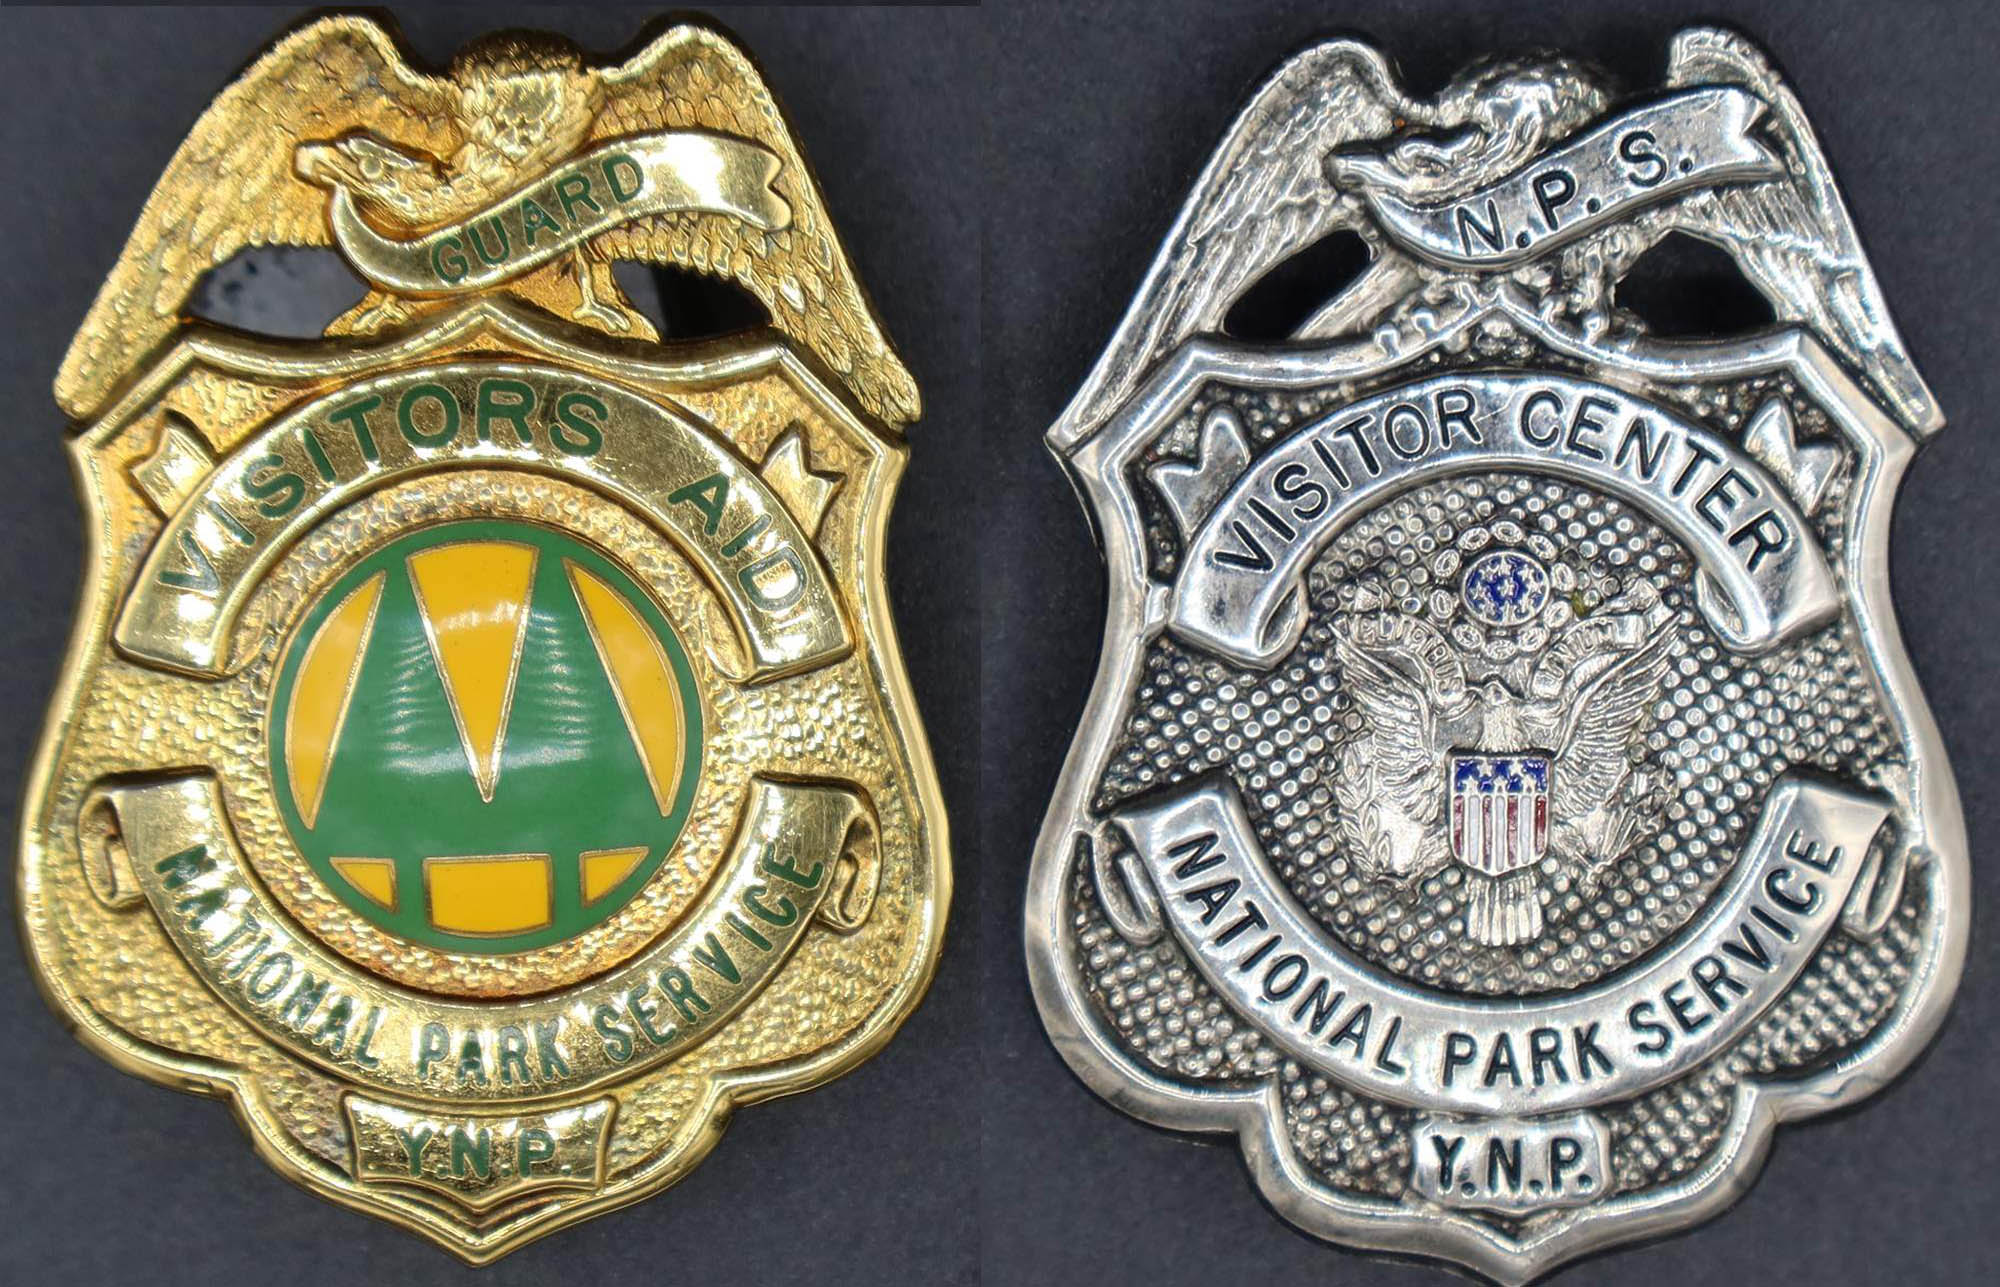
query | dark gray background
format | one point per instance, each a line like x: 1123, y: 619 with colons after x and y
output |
x: 1054, y: 143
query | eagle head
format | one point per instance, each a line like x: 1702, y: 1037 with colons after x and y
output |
x: 505, y: 55
x: 1503, y: 720
x: 521, y: 95
x: 383, y: 177
x: 1492, y: 119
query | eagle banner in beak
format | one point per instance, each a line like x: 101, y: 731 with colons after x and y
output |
x: 1765, y: 579
x: 675, y: 172
x: 1688, y: 140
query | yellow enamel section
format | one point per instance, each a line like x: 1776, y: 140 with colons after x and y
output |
x: 604, y: 868
x: 641, y: 677
x: 375, y: 877
x: 500, y: 894
x: 473, y: 598
x: 321, y: 694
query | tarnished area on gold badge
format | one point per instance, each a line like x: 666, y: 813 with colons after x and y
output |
x: 483, y: 751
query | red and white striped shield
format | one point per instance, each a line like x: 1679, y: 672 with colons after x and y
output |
x: 1499, y: 811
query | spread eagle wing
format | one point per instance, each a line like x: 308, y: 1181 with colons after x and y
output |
x: 693, y: 78
x: 1606, y: 709
x: 231, y: 185
x: 1406, y: 681
x: 1264, y: 196
x: 1792, y: 235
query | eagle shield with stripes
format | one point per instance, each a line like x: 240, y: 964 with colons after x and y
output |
x: 1499, y: 811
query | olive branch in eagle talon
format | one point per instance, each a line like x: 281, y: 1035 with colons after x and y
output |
x: 1582, y: 691
x: 335, y: 105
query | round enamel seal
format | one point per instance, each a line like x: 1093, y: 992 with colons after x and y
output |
x: 485, y: 737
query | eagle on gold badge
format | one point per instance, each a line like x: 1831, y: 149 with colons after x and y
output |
x: 334, y: 109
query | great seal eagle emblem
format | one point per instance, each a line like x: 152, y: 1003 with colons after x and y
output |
x: 1503, y: 795
x: 1501, y: 752
x: 483, y: 754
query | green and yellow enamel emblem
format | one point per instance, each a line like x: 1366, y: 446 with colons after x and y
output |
x: 563, y: 683
x: 483, y: 753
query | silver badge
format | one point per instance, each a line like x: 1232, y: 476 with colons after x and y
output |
x: 1504, y: 795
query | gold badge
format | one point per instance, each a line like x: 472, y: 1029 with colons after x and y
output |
x: 483, y: 753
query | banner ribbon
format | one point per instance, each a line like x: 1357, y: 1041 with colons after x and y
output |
x: 1698, y: 138
x: 783, y: 875
x: 1763, y: 579
x: 1325, y: 1006
x: 237, y: 520
x: 679, y: 171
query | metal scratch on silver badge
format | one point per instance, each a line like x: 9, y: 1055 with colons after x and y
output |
x: 1504, y: 795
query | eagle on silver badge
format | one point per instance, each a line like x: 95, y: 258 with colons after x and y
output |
x: 1505, y: 749
x: 1333, y: 132
x: 1442, y: 825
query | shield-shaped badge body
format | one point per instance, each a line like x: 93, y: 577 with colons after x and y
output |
x: 483, y: 752
x: 1504, y: 795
